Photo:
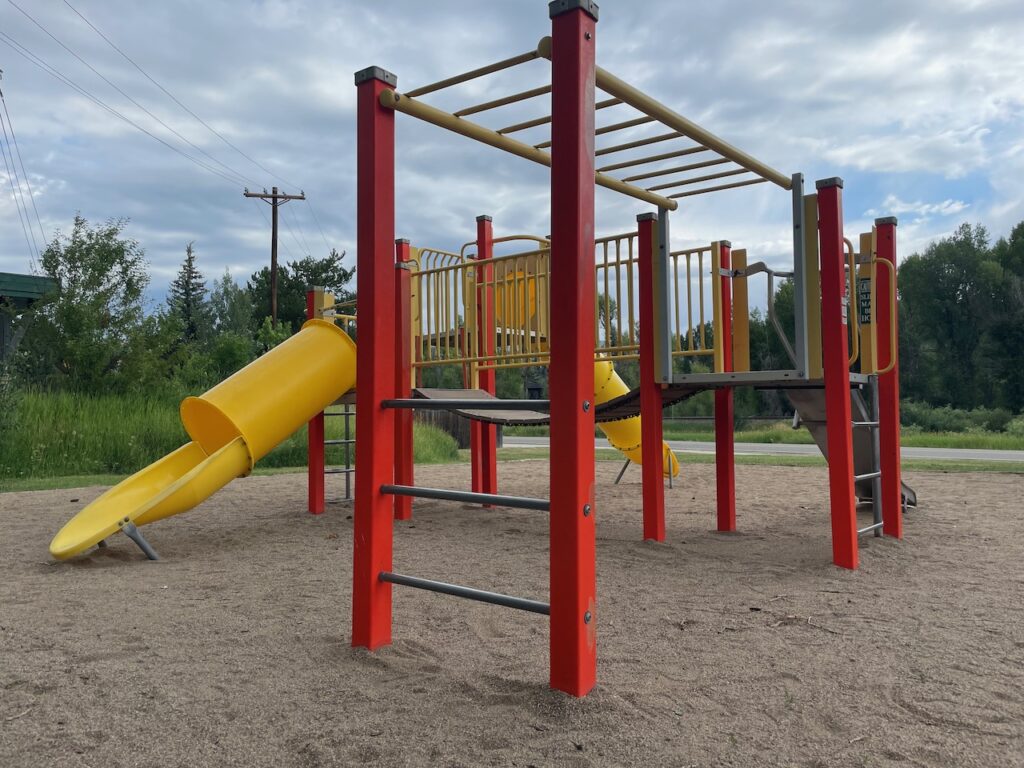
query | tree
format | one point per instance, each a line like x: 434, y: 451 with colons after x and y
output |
x: 186, y: 299
x: 231, y: 307
x: 82, y: 338
x: 293, y: 280
x: 950, y: 297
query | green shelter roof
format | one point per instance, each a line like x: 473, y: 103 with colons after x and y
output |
x: 22, y: 290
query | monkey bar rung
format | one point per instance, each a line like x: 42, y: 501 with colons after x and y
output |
x: 475, y: 73
x: 698, y: 179
x: 718, y: 188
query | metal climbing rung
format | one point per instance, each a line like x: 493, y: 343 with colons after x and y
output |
x: 339, y: 442
x: 339, y: 471
x: 869, y: 424
x: 480, y: 595
x: 869, y: 528
x: 467, y: 404
x: 494, y: 499
x: 868, y: 476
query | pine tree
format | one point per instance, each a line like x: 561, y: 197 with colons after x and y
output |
x: 187, y: 299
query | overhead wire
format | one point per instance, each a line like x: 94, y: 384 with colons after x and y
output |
x: 243, y: 179
x: 32, y: 249
x: 55, y: 73
x: 316, y: 218
x: 195, y: 116
x: 287, y: 222
x: 176, y: 100
x: 267, y: 220
x: 24, y: 173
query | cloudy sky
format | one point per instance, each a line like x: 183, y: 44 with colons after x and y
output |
x: 918, y: 105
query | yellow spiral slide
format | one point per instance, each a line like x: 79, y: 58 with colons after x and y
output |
x: 232, y: 426
x: 624, y: 435
x: 240, y: 420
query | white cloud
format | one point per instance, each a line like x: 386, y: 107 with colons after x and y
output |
x: 893, y: 206
x: 891, y: 96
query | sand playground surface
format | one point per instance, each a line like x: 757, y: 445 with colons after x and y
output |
x: 740, y: 650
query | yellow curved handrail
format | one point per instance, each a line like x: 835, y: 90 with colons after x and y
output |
x: 851, y: 306
x: 507, y: 239
x: 892, y: 315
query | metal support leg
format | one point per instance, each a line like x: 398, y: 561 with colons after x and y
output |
x: 837, y: 374
x: 622, y: 471
x: 572, y: 554
x: 889, y: 386
x: 404, y: 470
x: 487, y: 461
x: 651, y: 432
x: 373, y: 513
x: 133, y: 533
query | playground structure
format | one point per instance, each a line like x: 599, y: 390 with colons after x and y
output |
x: 508, y: 322
x: 575, y: 304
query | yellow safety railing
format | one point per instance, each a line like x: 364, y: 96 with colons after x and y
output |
x: 458, y: 300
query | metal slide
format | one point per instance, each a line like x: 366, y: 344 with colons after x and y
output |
x: 810, y: 404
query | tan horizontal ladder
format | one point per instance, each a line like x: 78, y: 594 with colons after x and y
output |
x: 403, y: 103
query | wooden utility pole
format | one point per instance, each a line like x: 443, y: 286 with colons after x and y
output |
x: 275, y: 199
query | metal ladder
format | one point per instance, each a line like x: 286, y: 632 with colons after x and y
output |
x: 875, y: 475
x: 348, y: 441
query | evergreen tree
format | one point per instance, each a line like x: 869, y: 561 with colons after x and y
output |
x: 187, y: 300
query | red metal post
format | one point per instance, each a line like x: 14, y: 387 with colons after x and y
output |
x: 375, y: 375
x: 888, y: 384
x: 835, y: 360
x: 725, y: 421
x: 573, y: 639
x: 651, y: 437
x: 315, y: 440
x: 403, y: 377
x: 488, y: 433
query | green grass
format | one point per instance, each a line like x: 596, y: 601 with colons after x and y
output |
x: 783, y: 433
x: 65, y: 440
x: 54, y: 436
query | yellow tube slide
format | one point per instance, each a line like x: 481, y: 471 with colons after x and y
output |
x: 625, y: 434
x: 232, y: 426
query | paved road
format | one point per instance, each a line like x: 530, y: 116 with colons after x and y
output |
x: 783, y: 449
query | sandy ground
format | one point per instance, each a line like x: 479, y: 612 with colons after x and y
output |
x: 739, y: 650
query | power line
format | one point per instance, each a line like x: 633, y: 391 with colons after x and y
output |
x: 243, y: 179
x: 317, y: 220
x: 267, y: 221
x: 303, y: 246
x: 175, y: 99
x: 24, y: 173
x: 32, y: 250
x: 200, y: 120
x: 37, y: 61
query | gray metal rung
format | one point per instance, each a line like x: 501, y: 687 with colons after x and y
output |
x: 339, y: 471
x: 339, y: 442
x: 867, y: 476
x: 521, y: 502
x: 456, y: 590
x: 872, y: 527
x: 871, y: 424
